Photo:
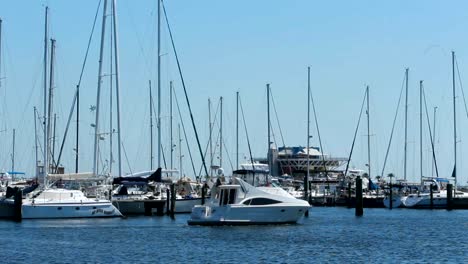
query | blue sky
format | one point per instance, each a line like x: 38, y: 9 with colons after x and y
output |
x: 226, y: 47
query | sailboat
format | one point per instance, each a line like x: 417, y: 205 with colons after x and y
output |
x: 56, y: 202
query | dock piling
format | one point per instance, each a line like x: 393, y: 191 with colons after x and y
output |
x: 18, y: 204
x: 173, y: 200
x: 203, y: 193
x: 449, y: 196
x: 359, y: 201
x: 168, y: 200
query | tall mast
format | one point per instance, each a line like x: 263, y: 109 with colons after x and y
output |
x: 180, y: 152
x: 98, y: 97
x: 53, y: 139
x: 151, y: 125
x: 46, y: 47
x: 77, y: 126
x: 159, y: 83
x: 434, y: 138
x: 111, y: 107
x: 170, y: 125
x: 454, y: 122
x: 406, y: 123
x: 221, y: 132
x: 268, y: 129
x: 35, y: 139
x: 210, y: 138
x: 237, y: 130
x: 50, y: 105
x: 368, y: 134
x: 117, y: 86
x: 1, y: 53
x: 420, y: 131
x: 306, y: 185
x: 13, y: 152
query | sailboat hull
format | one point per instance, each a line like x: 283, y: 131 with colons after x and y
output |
x: 71, y: 210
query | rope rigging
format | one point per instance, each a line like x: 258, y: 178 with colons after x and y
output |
x: 185, y: 89
x: 355, y: 133
x: 393, y: 126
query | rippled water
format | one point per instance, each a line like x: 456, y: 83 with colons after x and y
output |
x: 328, y: 235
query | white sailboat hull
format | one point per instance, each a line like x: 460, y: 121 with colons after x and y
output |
x: 186, y: 205
x: 69, y: 210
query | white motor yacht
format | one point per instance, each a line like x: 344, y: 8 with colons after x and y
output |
x: 243, y: 204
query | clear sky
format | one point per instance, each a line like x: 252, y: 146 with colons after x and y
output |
x: 229, y: 46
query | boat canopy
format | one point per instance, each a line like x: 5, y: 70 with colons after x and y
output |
x: 156, y: 177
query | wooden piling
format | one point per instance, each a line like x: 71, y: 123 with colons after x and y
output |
x: 168, y: 201
x: 449, y: 196
x: 359, y: 200
x: 203, y: 193
x: 18, y: 204
x: 173, y: 200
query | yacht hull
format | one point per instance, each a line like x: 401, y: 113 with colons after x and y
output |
x: 246, y: 215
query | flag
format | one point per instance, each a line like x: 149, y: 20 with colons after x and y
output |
x: 454, y: 172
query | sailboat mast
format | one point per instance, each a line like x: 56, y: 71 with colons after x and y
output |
x: 111, y: 107
x: 406, y: 124
x: 210, y: 129
x: 221, y: 132
x: 368, y: 135
x: 50, y: 105
x: 98, y: 97
x: 180, y: 152
x: 420, y: 131
x: 434, y: 137
x: 35, y: 139
x: 151, y: 124
x: 170, y: 125
x: 237, y: 130
x: 306, y: 182
x: 159, y: 83
x: 46, y: 47
x: 1, y: 52
x: 77, y: 126
x: 53, y: 138
x: 117, y: 86
x: 13, y: 152
x: 454, y: 122
x: 269, y: 126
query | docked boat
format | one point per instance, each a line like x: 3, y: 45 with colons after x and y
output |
x: 439, y: 195
x: 62, y: 203
x: 243, y: 204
